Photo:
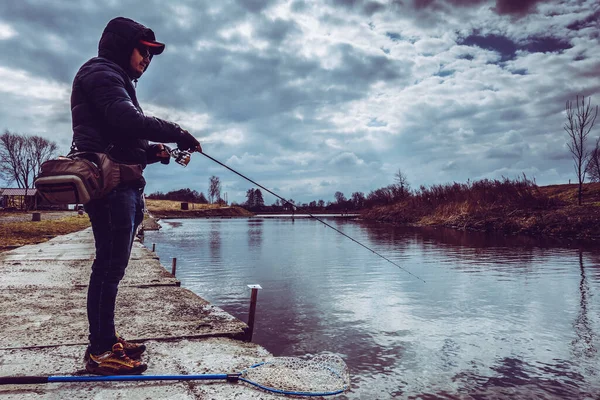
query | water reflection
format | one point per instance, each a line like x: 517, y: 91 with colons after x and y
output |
x: 583, y: 344
x: 499, y: 317
x: 215, y: 241
x: 254, y: 232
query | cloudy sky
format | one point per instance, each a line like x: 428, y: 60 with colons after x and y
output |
x: 313, y: 97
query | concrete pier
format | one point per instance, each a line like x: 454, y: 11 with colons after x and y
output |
x: 43, y: 327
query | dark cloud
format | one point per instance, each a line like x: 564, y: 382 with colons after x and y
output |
x: 365, y: 7
x: 433, y: 11
x: 501, y: 44
x: 256, y: 6
x: 395, y: 36
x: 507, y: 48
x: 591, y: 21
x: 519, y: 71
x: 545, y: 44
x: 372, y: 7
x: 515, y: 7
x: 508, y: 7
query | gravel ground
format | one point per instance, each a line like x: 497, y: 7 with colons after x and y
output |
x: 26, y: 216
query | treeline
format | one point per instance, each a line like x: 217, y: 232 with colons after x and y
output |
x: 187, y: 195
x: 193, y: 196
x: 520, y: 192
x: 357, y: 201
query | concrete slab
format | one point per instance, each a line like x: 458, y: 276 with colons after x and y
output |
x: 43, y: 326
x: 185, y: 357
x: 51, y: 317
x: 40, y: 274
x: 75, y: 246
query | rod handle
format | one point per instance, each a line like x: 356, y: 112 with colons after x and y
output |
x: 22, y: 380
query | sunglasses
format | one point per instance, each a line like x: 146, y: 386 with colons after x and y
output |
x: 144, y: 52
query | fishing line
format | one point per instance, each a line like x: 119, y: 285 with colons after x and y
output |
x: 309, y: 214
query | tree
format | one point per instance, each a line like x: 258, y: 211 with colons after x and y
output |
x: 402, y: 182
x: 250, y: 200
x: 21, y: 157
x: 339, y: 198
x: 258, y: 198
x: 41, y: 150
x: 214, y: 189
x: 593, y: 165
x: 580, y: 120
x: 358, y: 200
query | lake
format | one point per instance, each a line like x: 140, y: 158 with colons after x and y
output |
x: 497, y: 317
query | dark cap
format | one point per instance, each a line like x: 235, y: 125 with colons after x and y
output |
x: 154, y: 47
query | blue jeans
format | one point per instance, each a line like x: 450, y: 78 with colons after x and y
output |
x: 114, y: 219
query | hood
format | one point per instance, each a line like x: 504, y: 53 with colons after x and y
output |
x: 120, y: 38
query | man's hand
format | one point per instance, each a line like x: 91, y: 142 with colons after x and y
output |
x: 158, y: 152
x: 188, y: 142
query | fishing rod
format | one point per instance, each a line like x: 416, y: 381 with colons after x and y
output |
x: 183, y: 158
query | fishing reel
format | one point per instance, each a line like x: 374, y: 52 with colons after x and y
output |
x: 181, y: 157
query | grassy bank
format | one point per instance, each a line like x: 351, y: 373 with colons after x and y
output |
x: 510, y: 207
x: 172, y: 209
x: 17, y: 229
x: 19, y: 233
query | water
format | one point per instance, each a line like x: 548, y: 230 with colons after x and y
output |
x: 497, y: 317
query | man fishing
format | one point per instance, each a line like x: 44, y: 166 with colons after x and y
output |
x: 108, y: 118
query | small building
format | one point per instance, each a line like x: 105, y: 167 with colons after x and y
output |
x: 18, y: 199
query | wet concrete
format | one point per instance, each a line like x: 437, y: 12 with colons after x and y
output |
x: 43, y: 326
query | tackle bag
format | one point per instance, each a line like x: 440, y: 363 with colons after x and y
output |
x: 83, y: 176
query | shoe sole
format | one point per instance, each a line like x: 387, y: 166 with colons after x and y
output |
x: 111, y: 371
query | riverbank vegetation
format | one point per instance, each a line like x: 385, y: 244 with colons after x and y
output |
x: 508, y: 206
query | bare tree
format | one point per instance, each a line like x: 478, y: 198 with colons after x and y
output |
x: 21, y: 157
x: 580, y: 120
x: 41, y: 150
x: 214, y: 189
x: 401, y: 182
x: 593, y: 165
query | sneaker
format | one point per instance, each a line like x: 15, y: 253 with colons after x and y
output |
x: 114, y: 362
x: 132, y: 350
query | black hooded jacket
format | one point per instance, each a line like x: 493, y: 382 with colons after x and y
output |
x: 104, y: 107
